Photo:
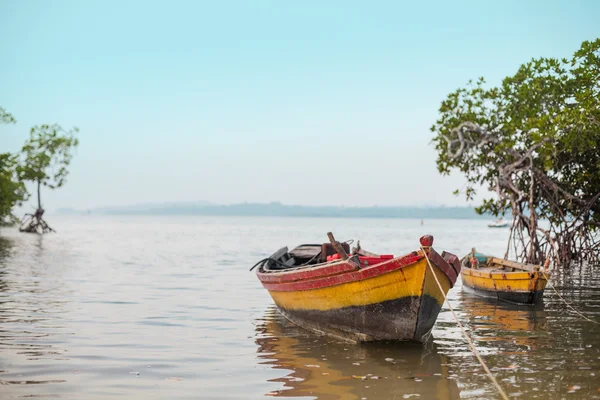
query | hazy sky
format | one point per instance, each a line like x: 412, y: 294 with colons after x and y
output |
x: 303, y: 102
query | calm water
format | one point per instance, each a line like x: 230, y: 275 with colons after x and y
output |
x: 164, y: 307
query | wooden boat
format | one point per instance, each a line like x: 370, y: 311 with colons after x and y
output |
x: 499, y: 223
x: 503, y: 279
x: 363, y: 297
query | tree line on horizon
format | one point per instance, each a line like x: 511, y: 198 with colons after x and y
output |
x: 278, y: 209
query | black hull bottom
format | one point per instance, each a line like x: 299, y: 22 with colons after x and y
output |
x: 525, y: 298
x: 404, y: 319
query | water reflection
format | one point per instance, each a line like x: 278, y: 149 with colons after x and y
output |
x: 38, y: 242
x: 75, y: 306
x: 495, y: 321
x: 29, y: 308
x: 317, y: 366
x: 5, y: 248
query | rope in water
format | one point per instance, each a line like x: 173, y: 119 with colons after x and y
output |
x: 464, y: 332
x: 565, y: 301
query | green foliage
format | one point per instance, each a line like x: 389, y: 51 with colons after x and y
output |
x: 44, y: 160
x: 46, y: 155
x: 12, y: 191
x: 550, y: 107
x: 6, y: 117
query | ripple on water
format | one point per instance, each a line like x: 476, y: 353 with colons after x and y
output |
x: 155, y: 307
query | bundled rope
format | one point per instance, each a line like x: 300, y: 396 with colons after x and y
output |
x: 464, y: 332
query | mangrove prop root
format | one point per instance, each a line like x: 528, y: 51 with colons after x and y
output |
x: 35, y: 223
x: 574, y: 234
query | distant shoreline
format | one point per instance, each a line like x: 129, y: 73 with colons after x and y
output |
x: 282, y: 210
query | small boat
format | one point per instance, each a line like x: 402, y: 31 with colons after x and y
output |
x: 499, y: 223
x: 363, y: 296
x: 501, y: 279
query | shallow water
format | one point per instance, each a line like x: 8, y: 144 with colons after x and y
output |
x: 164, y: 307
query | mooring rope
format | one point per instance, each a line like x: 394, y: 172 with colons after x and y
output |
x: 565, y: 301
x: 464, y: 332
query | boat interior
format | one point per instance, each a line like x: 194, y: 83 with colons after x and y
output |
x: 302, y: 256
x: 494, y: 264
x: 308, y: 255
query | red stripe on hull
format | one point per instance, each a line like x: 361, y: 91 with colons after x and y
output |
x: 307, y: 273
x: 354, y: 275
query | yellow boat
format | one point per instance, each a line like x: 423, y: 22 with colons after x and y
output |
x: 362, y: 298
x: 501, y: 279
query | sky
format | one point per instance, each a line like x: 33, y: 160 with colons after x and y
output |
x: 304, y: 102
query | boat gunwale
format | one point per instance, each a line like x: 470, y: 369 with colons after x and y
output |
x: 500, y: 274
x: 306, y: 271
x: 309, y: 282
x: 487, y: 271
x: 331, y: 269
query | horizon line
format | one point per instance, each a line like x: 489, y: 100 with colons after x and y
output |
x: 203, y: 203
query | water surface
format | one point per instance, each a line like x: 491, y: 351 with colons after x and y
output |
x: 164, y: 307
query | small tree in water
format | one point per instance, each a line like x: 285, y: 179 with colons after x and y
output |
x: 46, y: 156
x: 535, y: 141
x: 12, y: 190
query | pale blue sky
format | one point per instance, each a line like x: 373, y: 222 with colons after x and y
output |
x: 306, y: 102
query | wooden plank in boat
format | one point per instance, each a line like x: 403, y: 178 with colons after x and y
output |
x: 337, y: 246
x: 290, y: 262
x: 365, y: 253
x: 306, y: 251
x: 513, y: 264
x: 280, y: 253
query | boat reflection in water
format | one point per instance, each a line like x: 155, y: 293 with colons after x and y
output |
x: 321, y: 367
x: 506, y: 327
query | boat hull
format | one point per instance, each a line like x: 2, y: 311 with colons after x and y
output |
x: 534, y: 297
x: 511, y: 287
x: 396, y: 300
x: 372, y: 322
